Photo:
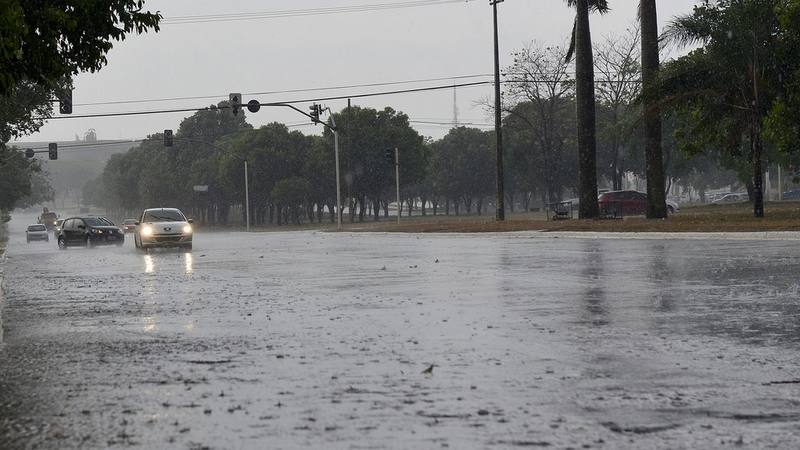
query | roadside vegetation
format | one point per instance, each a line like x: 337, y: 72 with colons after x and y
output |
x: 594, y: 112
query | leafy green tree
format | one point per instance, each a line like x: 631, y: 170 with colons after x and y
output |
x: 367, y: 170
x: 17, y: 174
x: 24, y: 109
x: 782, y: 126
x: 44, y: 41
x: 273, y: 153
x: 41, y: 190
x: 581, y: 46
x: 461, y: 164
x: 618, y: 88
x: 290, y: 195
x: 727, y: 88
x: 541, y: 91
x: 319, y: 171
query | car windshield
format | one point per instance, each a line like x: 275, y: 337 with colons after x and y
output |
x: 98, y: 222
x: 163, y: 215
x: 37, y: 228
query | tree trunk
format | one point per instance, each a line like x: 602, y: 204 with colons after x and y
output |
x: 585, y: 101
x: 758, y: 177
x: 654, y: 158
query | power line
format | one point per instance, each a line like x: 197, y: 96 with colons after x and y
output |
x: 86, y: 144
x: 287, y: 91
x: 261, y: 15
x: 308, y: 100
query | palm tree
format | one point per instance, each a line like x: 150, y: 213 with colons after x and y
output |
x: 656, y: 195
x: 581, y: 47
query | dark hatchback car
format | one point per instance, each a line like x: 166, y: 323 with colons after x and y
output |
x: 88, y: 232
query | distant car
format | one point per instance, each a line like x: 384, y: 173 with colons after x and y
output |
x: 163, y: 227
x: 794, y: 194
x: 129, y: 225
x: 629, y: 203
x: 57, y: 228
x: 36, y: 232
x: 731, y: 198
x: 89, y: 232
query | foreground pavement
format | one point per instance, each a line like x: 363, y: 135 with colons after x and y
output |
x: 326, y: 340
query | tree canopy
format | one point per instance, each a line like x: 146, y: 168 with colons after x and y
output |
x: 44, y: 41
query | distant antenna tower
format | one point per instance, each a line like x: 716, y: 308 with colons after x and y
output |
x: 455, y: 107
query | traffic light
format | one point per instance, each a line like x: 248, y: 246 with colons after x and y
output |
x: 29, y: 153
x: 167, y: 138
x: 52, y: 149
x: 316, y: 110
x: 389, y: 155
x: 65, y: 102
x: 236, y: 102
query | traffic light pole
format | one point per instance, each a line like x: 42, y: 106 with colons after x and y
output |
x: 397, y: 183
x: 246, y: 197
x: 338, y: 184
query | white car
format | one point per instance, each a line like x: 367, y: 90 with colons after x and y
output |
x: 163, y: 227
x: 36, y: 232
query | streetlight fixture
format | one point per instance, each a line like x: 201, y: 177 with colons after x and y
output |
x: 501, y: 207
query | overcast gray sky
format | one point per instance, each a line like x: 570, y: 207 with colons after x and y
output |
x: 214, y: 58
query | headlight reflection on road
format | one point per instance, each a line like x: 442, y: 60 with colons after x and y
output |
x: 189, y: 261
x: 149, y: 323
x: 149, y: 264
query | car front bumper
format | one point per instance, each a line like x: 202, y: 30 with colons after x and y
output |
x: 166, y: 240
x: 107, y: 239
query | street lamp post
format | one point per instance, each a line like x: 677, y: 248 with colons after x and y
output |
x: 246, y: 197
x: 501, y: 208
x: 338, y: 184
x: 397, y: 182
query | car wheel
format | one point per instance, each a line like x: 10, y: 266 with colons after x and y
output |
x: 62, y: 244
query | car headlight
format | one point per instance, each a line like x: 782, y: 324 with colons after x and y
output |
x: 187, y: 229
x: 147, y: 231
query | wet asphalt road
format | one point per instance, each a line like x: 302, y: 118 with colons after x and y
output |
x: 320, y: 340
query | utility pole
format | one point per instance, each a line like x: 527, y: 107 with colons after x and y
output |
x: 397, y: 182
x: 246, y: 197
x: 500, y: 207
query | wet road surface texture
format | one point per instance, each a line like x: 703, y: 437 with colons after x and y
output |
x: 326, y: 340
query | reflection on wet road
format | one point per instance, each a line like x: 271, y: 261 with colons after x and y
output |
x: 291, y: 340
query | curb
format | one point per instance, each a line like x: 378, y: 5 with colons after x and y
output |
x: 2, y: 283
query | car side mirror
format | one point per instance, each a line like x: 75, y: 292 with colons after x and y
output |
x: 190, y: 220
x: 136, y: 223
x: 82, y: 227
